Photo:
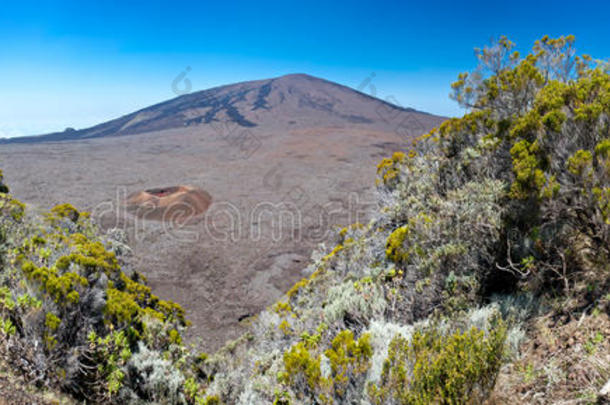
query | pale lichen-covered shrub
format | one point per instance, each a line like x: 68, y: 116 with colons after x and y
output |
x: 154, y: 378
x: 354, y: 302
x: 382, y: 333
x: 443, y: 244
x: 518, y: 307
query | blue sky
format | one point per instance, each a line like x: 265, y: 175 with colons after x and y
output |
x: 74, y: 63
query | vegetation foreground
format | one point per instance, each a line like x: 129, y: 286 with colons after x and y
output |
x: 484, y: 277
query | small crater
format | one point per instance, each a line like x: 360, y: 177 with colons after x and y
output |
x: 173, y: 204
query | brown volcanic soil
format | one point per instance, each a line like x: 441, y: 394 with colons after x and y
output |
x: 179, y: 204
x: 307, y: 147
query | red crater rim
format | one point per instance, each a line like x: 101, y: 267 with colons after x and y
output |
x: 169, y: 204
x: 165, y: 191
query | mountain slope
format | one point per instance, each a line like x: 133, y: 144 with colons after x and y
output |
x: 293, y: 101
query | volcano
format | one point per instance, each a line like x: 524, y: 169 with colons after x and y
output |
x: 287, y: 102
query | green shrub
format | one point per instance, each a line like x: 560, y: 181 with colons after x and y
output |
x: 302, y: 368
x: 11, y: 208
x: 349, y: 360
x: 7, y: 327
x: 52, y: 321
x: 3, y: 187
x: 64, y: 211
x: 388, y: 168
x: 457, y: 368
x: 395, y: 250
